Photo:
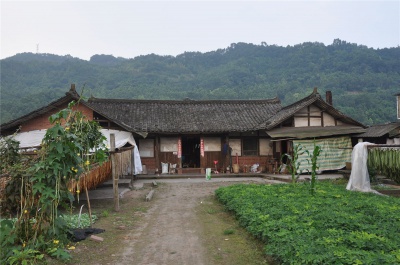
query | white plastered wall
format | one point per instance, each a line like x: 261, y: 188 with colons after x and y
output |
x: 265, y: 147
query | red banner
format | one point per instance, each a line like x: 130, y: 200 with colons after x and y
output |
x: 179, y: 147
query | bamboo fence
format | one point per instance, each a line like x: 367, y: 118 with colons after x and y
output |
x: 96, y: 176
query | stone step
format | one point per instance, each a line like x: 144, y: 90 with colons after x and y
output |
x: 121, y: 183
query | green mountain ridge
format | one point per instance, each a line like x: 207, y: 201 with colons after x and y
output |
x: 363, y: 80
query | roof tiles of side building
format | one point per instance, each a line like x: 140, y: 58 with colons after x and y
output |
x: 379, y: 130
x: 187, y: 116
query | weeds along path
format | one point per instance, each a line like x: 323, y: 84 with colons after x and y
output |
x: 170, y: 233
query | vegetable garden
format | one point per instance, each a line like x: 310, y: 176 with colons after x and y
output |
x: 335, y: 226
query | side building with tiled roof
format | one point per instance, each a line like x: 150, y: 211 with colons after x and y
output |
x: 193, y: 133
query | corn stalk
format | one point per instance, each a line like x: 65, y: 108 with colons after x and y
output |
x: 385, y: 160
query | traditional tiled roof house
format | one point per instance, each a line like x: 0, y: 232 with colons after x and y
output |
x: 192, y: 133
x: 388, y: 133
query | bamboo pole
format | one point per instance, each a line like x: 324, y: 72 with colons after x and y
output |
x: 114, y: 172
x: 88, y: 203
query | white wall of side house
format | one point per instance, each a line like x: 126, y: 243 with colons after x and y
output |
x: 265, y: 147
x: 300, y: 122
x: 301, y: 117
x: 328, y: 120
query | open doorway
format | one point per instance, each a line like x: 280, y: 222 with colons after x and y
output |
x: 190, y: 152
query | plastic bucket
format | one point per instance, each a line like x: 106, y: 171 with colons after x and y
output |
x: 164, y: 168
x: 208, y: 173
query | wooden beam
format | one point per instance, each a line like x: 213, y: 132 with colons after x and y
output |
x: 114, y: 172
x: 382, y: 145
x: 157, y: 153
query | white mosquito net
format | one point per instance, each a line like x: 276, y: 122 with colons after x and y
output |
x: 359, y: 177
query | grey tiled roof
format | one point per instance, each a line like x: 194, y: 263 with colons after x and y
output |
x: 187, y: 116
x: 315, y: 99
x: 190, y: 116
x: 380, y: 130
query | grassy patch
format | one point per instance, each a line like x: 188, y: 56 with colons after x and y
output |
x: 226, y: 242
x: 229, y: 231
x: 334, y: 227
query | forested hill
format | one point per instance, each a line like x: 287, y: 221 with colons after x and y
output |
x: 363, y: 80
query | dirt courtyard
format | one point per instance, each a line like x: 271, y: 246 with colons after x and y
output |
x: 170, y: 231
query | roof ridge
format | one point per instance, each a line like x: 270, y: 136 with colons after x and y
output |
x: 185, y: 101
x: 312, y: 95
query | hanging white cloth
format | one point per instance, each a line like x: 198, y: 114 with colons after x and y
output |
x: 359, y: 177
x: 30, y: 139
x: 122, y: 138
x: 34, y: 139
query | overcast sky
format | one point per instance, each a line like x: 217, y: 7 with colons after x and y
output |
x: 132, y: 28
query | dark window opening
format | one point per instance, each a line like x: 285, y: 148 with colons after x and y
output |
x: 250, y: 146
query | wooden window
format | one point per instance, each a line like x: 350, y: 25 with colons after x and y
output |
x: 169, y: 144
x: 250, y: 146
x: 212, y: 144
x: 146, y: 147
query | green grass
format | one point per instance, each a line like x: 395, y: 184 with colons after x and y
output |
x: 229, y: 231
x: 334, y: 227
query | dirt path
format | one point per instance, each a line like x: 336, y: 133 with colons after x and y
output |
x: 170, y: 233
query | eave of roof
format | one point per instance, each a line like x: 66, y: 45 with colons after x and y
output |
x: 313, y: 131
x: 69, y: 96
x: 392, y: 129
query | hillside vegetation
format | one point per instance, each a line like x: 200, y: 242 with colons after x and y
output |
x: 363, y: 80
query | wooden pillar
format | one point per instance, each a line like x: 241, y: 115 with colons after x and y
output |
x: 133, y: 167
x: 157, y: 152
x: 114, y: 172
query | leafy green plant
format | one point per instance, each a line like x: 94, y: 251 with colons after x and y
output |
x: 293, y: 163
x: 9, y: 153
x: 76, y: 221
x: 229, y: 231
x: 314, y: 158
x: 43, y: 184
x: 333, y: 227
x: 105, y: 213
x: 25, y: 257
